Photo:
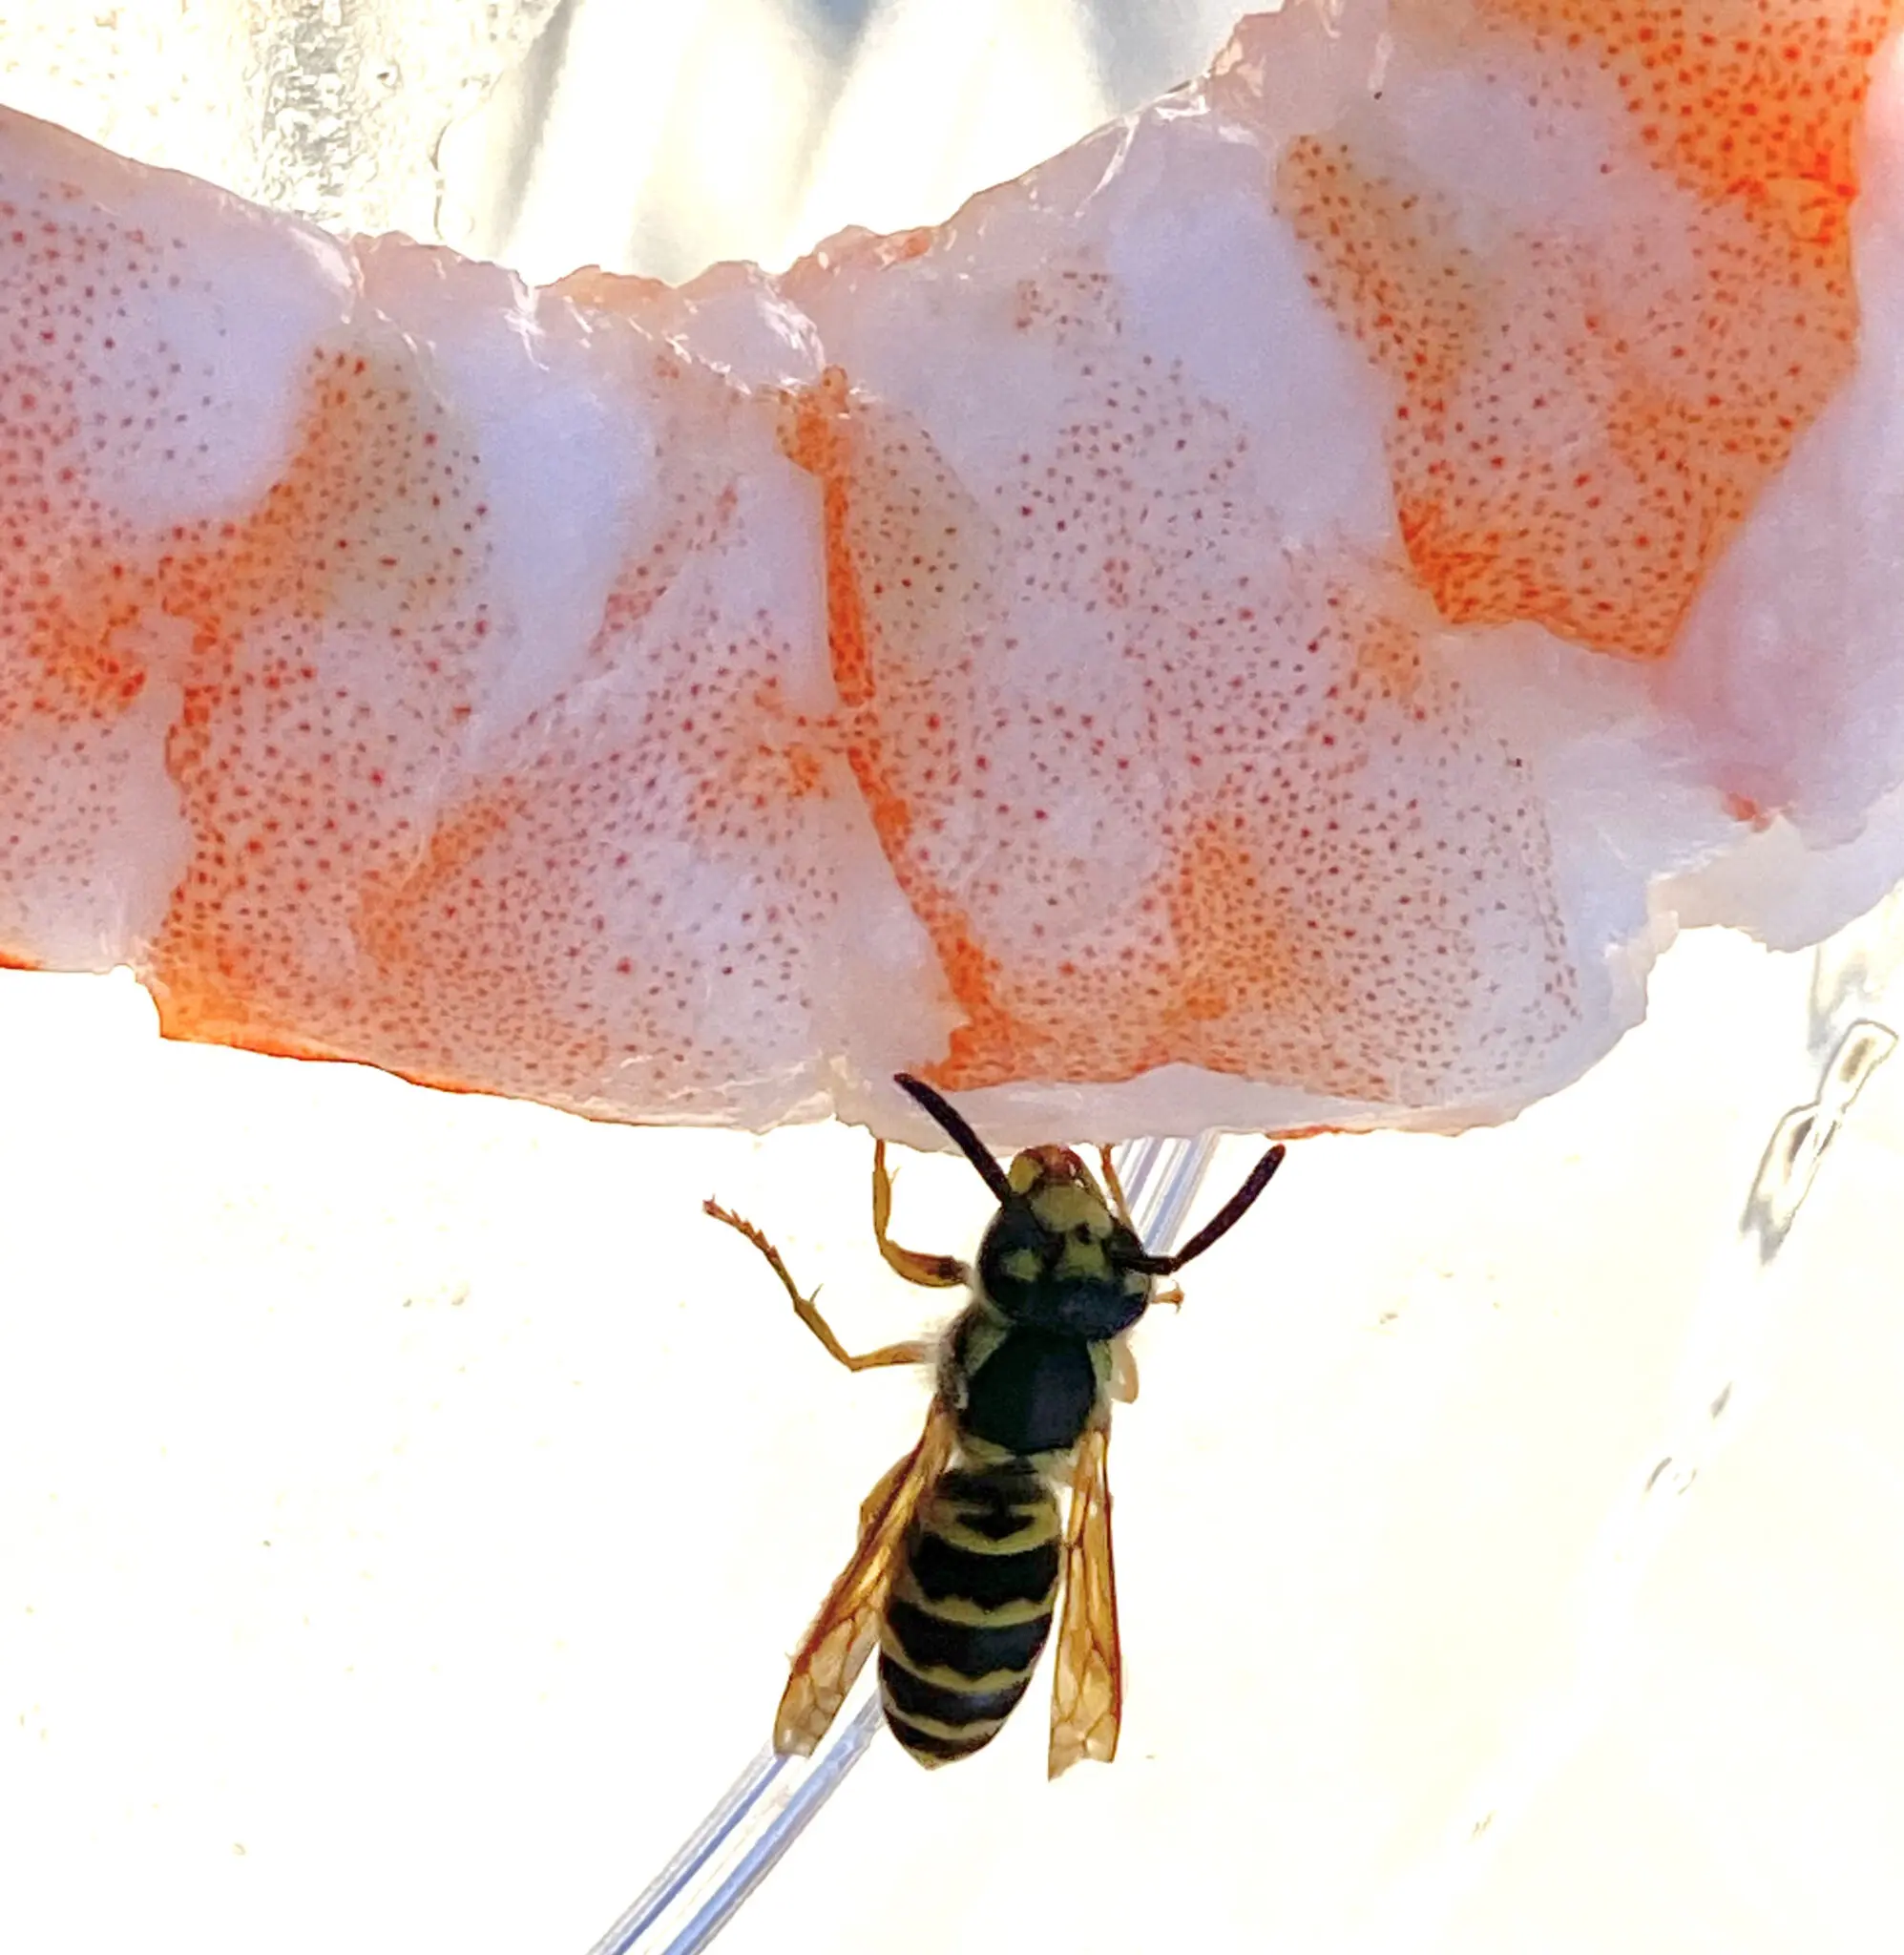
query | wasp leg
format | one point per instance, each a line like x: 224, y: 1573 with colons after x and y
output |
x: 1173, y: 1296
x: 1117, y: 1188
x: 934, y: 1272
x: 915, y: 1350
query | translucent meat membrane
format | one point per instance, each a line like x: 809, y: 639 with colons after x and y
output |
x: 1269, y: 620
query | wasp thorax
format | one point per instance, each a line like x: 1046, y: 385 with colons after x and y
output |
x: 1055, y: 1257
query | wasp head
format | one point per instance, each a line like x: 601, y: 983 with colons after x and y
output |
x: 1057, y: 1257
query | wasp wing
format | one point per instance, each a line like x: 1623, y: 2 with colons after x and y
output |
x: 1088, y: 1687
x: 846, y: 1630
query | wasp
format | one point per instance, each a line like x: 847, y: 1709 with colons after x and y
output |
x: 961, y: 1549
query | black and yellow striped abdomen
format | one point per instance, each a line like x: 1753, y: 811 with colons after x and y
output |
x: 969, y: 1609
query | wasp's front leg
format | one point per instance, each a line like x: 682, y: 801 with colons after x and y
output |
x: 914, y: 1351
x: 934, y: 1272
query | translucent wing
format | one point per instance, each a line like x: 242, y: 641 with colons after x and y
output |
x: 847, y: 1626
x: 1088, y: 1687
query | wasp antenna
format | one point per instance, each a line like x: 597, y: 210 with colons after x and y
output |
x: 955, y: 1123
x: 1218, y: 1226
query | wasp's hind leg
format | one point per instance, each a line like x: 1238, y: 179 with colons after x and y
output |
x: 934, y: 1272
x: 915, y: 1350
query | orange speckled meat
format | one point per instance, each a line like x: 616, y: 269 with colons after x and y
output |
x: 1672, y: 382
x: 1262, y: 622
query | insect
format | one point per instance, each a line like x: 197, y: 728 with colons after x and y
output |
x: 961, y: 1549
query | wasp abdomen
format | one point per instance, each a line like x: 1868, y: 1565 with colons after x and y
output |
x: 969, y: 1609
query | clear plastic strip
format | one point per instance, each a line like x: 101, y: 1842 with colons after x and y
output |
x: 695, y: 1852
x: 752, y: 1827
